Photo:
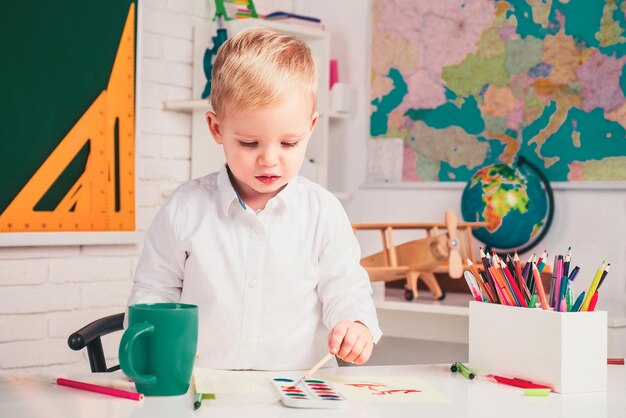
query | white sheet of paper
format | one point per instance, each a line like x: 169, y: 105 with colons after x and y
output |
x: 386, y: 389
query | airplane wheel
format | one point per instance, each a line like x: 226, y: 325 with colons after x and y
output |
x: 408, y: 295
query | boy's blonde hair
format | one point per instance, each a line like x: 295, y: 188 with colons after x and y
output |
x: 258, y: 67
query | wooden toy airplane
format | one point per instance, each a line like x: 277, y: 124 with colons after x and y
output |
x: 437, y: 252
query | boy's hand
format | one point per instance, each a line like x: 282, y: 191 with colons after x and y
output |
x: 351, y: 342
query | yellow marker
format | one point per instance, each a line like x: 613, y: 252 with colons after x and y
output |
x: 592, y: 288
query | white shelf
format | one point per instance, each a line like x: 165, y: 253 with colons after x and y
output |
x: 339, y: 115
x: 187, y: 105
x: 452, y: 304
x: 304, y: 32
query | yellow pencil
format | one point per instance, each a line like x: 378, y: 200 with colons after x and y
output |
x: 592, y: 288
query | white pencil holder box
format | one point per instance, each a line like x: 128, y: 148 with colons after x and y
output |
x: 564, y: 350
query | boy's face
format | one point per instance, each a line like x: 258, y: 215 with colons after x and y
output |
x: 265, y: 147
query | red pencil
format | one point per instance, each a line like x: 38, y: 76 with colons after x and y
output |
x: 514, y: 286
x: 100, y: 389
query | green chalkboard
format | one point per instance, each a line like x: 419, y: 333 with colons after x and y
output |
x: 56, y: 58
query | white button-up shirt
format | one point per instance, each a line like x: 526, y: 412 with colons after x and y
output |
x: 269, y: 285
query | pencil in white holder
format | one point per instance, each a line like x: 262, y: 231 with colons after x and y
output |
x: 564, y: 350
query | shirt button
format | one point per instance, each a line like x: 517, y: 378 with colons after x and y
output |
x: 258, y: 229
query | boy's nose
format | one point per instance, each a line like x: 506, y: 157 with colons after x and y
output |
x: 268, y: 157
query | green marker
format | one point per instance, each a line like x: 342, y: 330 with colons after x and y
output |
x: 536, y: 392
x: 453, y: 368
x: 467, y: 373
x: 533, y: 301
x: 198, y: 401
x: 579, y: 302
x: 568, y: 299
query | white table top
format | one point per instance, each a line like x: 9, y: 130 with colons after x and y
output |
x: 37, y: 397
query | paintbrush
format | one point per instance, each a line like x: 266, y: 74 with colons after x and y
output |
x: 314, y: 368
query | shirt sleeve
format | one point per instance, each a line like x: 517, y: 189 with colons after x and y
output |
x: 159, y: 273
x: 344, y: 287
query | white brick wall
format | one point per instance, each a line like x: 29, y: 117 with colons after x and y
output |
x: 46, y: 293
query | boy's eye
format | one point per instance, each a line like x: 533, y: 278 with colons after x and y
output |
x: 249, y: 144
x: 290, y: 144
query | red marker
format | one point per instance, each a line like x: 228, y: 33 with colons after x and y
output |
x: 593, y: 302
x: 520, y: 383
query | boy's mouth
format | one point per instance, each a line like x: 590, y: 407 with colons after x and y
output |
x: 268, y: 179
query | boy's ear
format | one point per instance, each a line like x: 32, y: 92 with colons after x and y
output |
x: 214, y: 126
x: 314, y: 120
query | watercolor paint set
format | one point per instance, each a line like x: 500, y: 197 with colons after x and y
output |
x: 311, y: 393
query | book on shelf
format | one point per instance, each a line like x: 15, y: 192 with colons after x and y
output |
x: 286, y: 17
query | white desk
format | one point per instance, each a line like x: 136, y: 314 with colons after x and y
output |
x: 37, y: 397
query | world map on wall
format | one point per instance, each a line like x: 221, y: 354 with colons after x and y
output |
x: 470, y: 83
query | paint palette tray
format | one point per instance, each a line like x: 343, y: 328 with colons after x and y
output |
x: 312, y: 393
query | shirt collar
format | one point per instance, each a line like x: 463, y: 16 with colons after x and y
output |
x: 228, y: 194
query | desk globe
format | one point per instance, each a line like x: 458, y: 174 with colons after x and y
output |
x: 516, y: 201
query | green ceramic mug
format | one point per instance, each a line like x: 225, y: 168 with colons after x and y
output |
x: 158, y: 349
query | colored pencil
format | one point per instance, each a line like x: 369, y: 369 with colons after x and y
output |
x: 593, y: 287
x: 502, y: 285
x: 528, y: 278
x: 606, y: 271
x: 518, y: 270
x: 99, y: 389
x: 542, y: 294
x: 479, y: 281
x: 541, y: 263
x: 568, y: 258
x: 469, y: 279
x: 516, y: 292
x: 491, y: 289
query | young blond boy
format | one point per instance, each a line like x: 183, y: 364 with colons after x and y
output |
x: 269, y: 257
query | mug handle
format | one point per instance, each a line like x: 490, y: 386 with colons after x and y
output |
x: 126, y: 347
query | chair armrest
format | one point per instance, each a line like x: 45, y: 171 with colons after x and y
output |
x: 103, y: 326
